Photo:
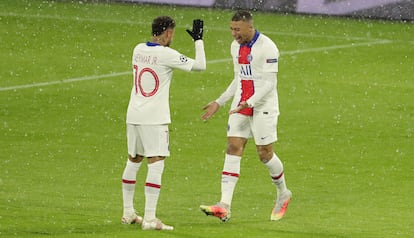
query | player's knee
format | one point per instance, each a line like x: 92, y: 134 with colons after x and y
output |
x: 236, y: 145
x: 155, y: 159
x: 265, y: 153
x: 233, y: 149
x: 136, y: 159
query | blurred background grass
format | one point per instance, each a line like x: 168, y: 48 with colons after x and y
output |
x: 345, y: 132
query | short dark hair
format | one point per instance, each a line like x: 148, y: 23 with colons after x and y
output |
x: 242, y: 15
x: 162, y: 23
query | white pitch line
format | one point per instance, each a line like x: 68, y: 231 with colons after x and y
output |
x: 291, y: 52
x: 85, y: 78
x: 335, y: 47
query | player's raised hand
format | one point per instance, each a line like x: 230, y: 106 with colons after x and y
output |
x: 197, y: 32
x: 209, y: 110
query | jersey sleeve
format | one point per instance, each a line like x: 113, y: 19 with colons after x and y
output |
x: 175, y: 59
x: 200, y: 56
x: 271, y: 58
x: 229, y: 93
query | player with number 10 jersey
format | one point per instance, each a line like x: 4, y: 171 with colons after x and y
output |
x: 148, y: 114
x: 153, y: 67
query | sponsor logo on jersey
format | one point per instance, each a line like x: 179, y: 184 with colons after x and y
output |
x: 246, y: 71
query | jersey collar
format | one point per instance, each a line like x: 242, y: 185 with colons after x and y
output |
x: 152, y: 44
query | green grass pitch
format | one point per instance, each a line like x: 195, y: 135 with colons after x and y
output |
x: 345, y: 131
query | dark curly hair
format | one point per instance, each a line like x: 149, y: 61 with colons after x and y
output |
x: 162, y: 23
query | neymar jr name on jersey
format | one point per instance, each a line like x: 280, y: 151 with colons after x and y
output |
x: 146, y: 59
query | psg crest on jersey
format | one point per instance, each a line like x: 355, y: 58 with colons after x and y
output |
x: 249, y: 58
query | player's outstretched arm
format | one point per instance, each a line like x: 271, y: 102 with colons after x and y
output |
x: 209, y: 110
x: 197, y: 34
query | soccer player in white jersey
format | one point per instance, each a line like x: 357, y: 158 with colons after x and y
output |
x: 254, y: 113
x: 148, y: 114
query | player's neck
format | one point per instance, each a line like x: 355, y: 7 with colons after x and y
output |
x: 159, y: 40
x: 251, y: 37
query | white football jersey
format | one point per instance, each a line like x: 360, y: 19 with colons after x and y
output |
x: 153, y: 66
x: 251, y: 61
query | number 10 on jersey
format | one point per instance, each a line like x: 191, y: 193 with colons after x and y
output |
x: 150, y: 86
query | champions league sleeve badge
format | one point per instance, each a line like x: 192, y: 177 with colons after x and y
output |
x: 183, y: 58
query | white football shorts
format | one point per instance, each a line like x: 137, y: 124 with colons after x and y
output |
x: 148, y: 140
x: 261, y: 126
